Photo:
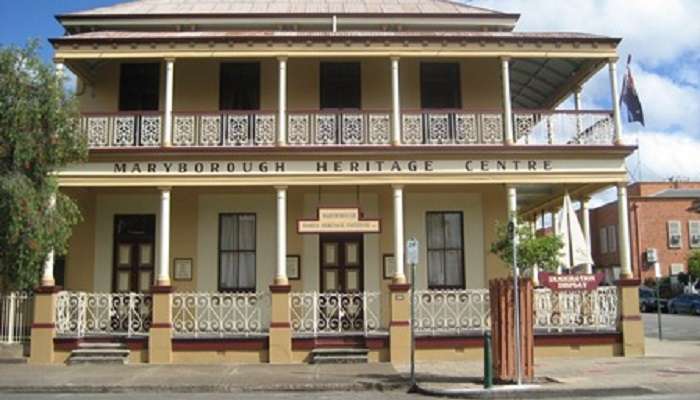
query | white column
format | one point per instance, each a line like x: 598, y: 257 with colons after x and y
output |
x: 163, y: 278
x: 615, y: 103
x: 507, y: 108
x: 512, y: 196
x: 281, y: 273
x: 586, y: 217
x: 395, y: 102
x: 623, y: 231
x: 577, y: 107
x: 168, y: 125
x: 399, y: 274
x: 47, y: 278
x: 282, y: 102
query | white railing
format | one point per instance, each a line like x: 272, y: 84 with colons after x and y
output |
x: 220, y: 314
x: 348, y: 128
x: 452, y: 312
x: 224, y: 129
x: 451, y: 127
x: 316, y: 314
x: 545, y: 127
x: 142, y: 129
x: 16, y: 310
x: 81, y: 314
x: 569, y: 311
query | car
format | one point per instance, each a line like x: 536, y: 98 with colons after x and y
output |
x: 685, y: 304
x: 648, y: 300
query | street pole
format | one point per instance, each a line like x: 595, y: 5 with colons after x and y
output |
x: 516, y: 288
x: 413, y: 328
x: 657, y: 272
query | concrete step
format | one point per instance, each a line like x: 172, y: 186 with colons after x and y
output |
x: 90, y: 352
x: 117, y: 360
x: 102, y: 345
x: 339, y: 355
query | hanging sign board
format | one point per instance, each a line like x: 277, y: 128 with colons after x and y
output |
x: 571, y: 282
x: 338, y: 220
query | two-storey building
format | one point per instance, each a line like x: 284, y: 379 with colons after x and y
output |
x: 256, y: 167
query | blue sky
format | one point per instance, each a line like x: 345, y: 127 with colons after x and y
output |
x: 661, y: 35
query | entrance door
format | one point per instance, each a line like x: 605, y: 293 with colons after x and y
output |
x: 340, y: 304
x: 134, y: 248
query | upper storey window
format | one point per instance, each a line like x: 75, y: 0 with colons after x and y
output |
x: 340, y: 85
x: 439, y: 85
x: 138, y: 87
x: 239, y: 86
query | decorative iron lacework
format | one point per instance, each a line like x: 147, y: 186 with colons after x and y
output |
x: 81, y: 314
x: 210, y: 130
x: 97, y: 130
x: 452, y: 312
x: 412, y: 129
x: 492, y: 128
x: 150, y: 130
x: 265, y: 129
x: 352, y: 129
x: 220, y: 314
x: 298, y: 129
x: 315, y: 314
x: 237, y: 130
x: 124, y: 131
x: 466, y: 131
x: 560, y: 311
x: 379, y: 129
x: 439, y: 129
x: 184, y: 133
x: 326, y: 131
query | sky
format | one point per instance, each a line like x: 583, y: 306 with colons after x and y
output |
x: 662, y: 36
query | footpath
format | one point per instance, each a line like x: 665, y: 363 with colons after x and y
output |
x: 668, y: 367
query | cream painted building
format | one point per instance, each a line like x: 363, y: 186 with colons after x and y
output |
x: 256, y: 167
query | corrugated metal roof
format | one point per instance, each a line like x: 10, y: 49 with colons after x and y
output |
x: 214, y: 7
x: 678, y: 193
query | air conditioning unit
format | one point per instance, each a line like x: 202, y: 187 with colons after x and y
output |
x: 652, y: 255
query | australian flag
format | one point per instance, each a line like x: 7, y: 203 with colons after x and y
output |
x: 630, y: 98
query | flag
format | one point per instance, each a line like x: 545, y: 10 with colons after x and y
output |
x: 630, y: 98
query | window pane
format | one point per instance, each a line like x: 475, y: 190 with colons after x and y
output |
x: 228, y: 232
x: 453, y: 230
x: 435, y: 232
x: 246, y: 232
x: 436, y: 270
x: 453, y: 268
x: 246, y: 270
x: 228, y: 271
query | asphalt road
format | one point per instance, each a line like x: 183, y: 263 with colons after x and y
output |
x: 673, y: 327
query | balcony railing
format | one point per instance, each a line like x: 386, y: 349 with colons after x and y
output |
x: 452, y: 312
x: 233, y: 129
x: 570, y: 311
x: 317, y: 314
x: 220, y: 314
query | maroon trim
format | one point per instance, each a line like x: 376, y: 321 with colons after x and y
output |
x: 399, y: 287
x: 280, y: 288
x: 372, y: 343
x: 280, y: 325
x: 577, y: 339
x: 47, y: 289
x: 630, y: 317
x: 161, y: 325
x: 162, y: 289
x: 218, y: 344
x: 628, y: 282
x: 445, y: 342
x: 377, y: 343
x: 399, y: 323
x: 43, y: 325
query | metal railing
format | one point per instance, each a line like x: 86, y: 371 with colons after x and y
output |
x: 547, y: 127
x: 452, y: 312
x: 80, y: 314
x: 224, y: 129
x: 451, y: 127
x: 16, y: 316
x: 334, y: 128
x: 137, y: 129
x: 316, y: 314
x: 571, y: 311
x: 220, y: 314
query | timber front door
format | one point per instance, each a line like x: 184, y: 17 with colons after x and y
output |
x: 341, y: 303
x: 134, y: 252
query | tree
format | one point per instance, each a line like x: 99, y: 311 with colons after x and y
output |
x: 39, y: 134
x: 532, y: 250
x: 694, y: 268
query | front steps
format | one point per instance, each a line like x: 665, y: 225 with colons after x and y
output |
x: 327, y: 355
x: 99, y: 353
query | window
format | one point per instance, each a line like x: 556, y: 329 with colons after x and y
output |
x: 674, y: 234
x: 603, y: 240
x: 439, y: 85
x: 340, y: 85
x: 612, y: 238
x: 694, y: 233
x: 445, y: 250
x: 677, y: 268
x: 139, y: 87
x: 237, y: 252
x: 239, y: 86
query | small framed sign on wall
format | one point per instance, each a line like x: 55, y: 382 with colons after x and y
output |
x: 293, y: 267
x: 389, y: 266
x: 182, y: 270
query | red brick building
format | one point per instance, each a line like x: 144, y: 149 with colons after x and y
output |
x: 664, y: 216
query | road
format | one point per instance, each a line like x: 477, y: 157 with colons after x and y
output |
x: 674, y: 327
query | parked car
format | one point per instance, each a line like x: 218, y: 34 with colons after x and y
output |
x: 648, y: 301
x: 685, y: 304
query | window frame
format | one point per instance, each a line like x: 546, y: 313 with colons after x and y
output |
x: 254, y: 251
x: 691, y: 224
x: 257, y: 86
x: 462, y: 266
x: 603, y: 242
x: 612, y: 238
x: 123, y: 105
x: 670, y: 244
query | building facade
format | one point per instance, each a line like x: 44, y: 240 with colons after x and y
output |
x: 255, y: 169
x: 664, y: 223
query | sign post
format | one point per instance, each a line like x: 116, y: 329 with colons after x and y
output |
x: 516, y: 289
x: 412, y: 261
x: 657, y: 273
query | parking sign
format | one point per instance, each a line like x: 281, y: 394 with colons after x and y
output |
x: 412, y: 251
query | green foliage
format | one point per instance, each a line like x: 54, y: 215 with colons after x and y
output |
x: 532, y: 250
x: 39, y: 133
x: 694, y: 264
